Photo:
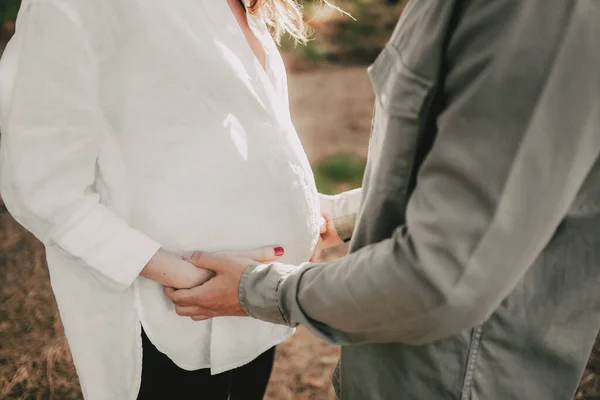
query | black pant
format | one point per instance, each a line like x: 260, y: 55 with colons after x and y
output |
x: 163, y: 380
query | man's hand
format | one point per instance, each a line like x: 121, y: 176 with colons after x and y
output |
x: 219, y: 296
x: 329, y: 235
x: 319, y: 248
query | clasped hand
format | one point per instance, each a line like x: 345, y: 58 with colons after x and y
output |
x: 218, y: 294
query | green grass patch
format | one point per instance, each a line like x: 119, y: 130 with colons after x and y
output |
x: 339, y: 172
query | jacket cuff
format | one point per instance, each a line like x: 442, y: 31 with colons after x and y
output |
x: 106, y: 243
x: 344, y: 226
x: 259, y: 291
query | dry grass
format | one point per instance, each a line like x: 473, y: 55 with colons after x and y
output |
x: 303, y: 368
x: 35, y: 362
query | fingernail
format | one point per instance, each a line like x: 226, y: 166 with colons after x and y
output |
x: 279, y: 251
x: 187, y: 257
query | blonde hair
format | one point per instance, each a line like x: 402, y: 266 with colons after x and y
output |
x: 283, y: 16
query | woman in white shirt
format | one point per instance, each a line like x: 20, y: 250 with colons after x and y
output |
x: 132, y: 133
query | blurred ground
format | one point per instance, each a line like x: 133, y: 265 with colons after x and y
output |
x: 332, y: 109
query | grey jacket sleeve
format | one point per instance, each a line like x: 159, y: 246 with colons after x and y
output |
x: 514, y: 145
x: 343, y: 209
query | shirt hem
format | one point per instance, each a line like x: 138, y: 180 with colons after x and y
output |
x: 214, y: 370
x: 246, y: 360
x: 240, y: 361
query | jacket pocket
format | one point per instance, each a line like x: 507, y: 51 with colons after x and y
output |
x: 400, y: 97
x: 398, y: 90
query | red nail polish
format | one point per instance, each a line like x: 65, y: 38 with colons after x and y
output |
x: 279, y: 251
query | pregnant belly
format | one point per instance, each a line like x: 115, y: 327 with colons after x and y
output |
x: 234, y: 209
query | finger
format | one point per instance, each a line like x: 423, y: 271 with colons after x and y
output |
x: 209, y: 261
x: 189, y: 311
x: 262, y: 254
x: 181, y: 297
x: 169, y: 292
x: 317, y: 253
x: 315, y: 257
x: 323, y: 223
x: 200, y: 318
x: 207, y: 275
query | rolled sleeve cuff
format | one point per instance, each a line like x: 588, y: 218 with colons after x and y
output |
x: 343, y: 209
x: 107, y: 244
x: 344, y: 226
x: 259, y: 291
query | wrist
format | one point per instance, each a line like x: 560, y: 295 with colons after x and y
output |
x: 192, y: 276
x: 168, y: 270
x: 154, y: 269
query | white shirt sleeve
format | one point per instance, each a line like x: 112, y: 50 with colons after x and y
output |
x: 52, y: 131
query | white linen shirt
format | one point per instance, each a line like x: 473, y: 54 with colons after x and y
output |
x: 129, y: 126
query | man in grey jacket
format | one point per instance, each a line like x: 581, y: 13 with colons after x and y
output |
x: 474, y: 270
